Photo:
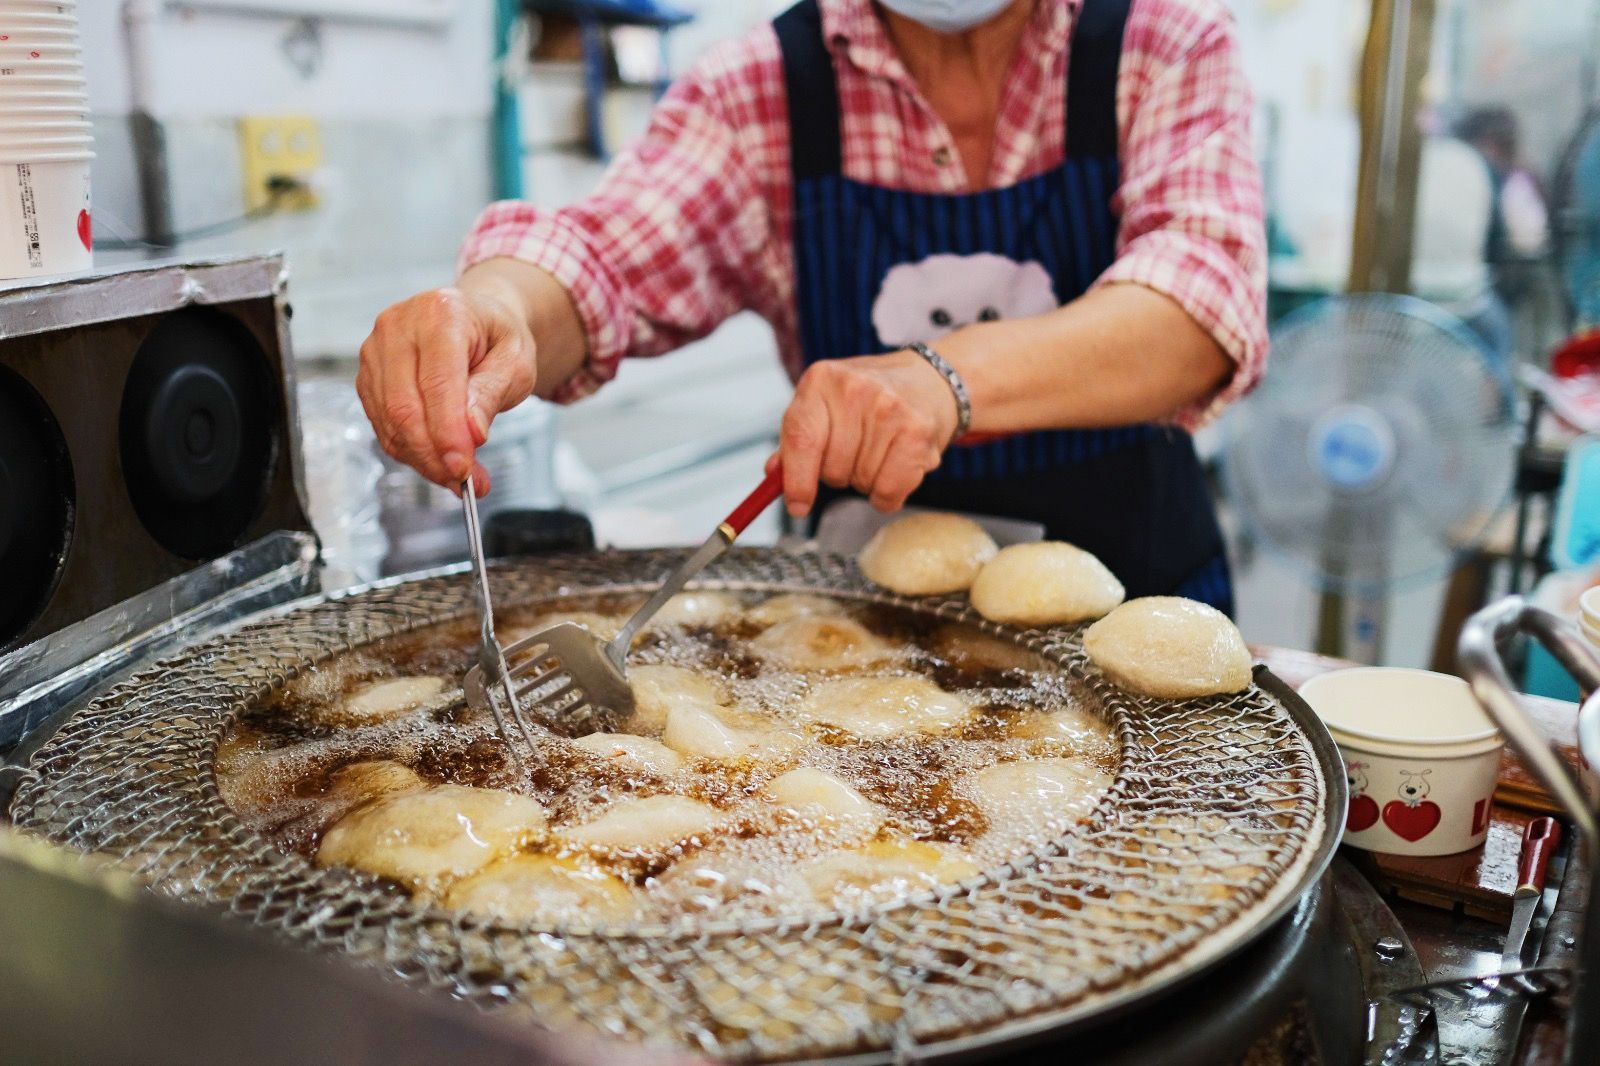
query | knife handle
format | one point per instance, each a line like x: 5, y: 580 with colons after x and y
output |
x: 1539, y: 842
x: 770, y: 489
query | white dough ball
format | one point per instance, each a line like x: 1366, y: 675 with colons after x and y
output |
x: 1044, y: 584
x: 715, y: 734
x: 526, y: 889
x: 1078, y: 728
x: 660, y: 688
x: 885, y: 869
x: 654, y: 823
x: 426, y: 839
x: 884, y: 706
x: 1039, y: 795
x: 649, y: 754
x: 786, y: 606
x: 700, y: 733
x: 1170, y: 648
x: 808, y: 790
x: 822, y: 644
x: 380, y: 701
x: 926, y: 554
x: 697, y: 609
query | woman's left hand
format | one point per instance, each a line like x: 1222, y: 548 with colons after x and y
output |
x: 874, y: 423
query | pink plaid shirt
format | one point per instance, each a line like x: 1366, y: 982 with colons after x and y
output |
x: 692, y: 224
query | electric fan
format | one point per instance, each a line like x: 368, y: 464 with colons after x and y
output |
x: 1376, y: 451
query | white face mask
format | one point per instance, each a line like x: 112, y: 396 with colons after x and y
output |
x: 947, y: 16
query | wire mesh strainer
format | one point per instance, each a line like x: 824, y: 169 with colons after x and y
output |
x: 1219, y: 817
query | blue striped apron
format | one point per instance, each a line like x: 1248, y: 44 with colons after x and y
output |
x: 872, y: 261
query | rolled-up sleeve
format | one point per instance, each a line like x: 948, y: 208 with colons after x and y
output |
x: 667, y: 246
x: 1190, y: 196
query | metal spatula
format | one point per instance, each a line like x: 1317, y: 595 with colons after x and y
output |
x: 565, y: 667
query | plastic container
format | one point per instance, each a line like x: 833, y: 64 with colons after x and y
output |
x: 1421, y: 756
x: 45, y: 225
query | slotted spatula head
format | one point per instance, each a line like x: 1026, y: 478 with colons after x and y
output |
x: 568, y: 673
x: 563, y: 668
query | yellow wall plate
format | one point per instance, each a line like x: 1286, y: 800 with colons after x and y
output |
x: 274, y: 147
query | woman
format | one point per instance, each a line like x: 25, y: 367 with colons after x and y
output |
x: 1031, y: 224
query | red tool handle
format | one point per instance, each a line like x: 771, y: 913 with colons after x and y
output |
x: 770, y: 489
x: 1539, y: 842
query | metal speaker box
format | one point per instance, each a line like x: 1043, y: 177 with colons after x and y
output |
x: 148, y: 434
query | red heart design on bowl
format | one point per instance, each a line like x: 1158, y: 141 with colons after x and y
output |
x: 1363, y: 814
x: 86, y: 231
x: 1411, y: 823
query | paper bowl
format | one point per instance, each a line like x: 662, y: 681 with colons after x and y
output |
x: 1421, y: 757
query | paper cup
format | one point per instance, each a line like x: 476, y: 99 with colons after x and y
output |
x: 1421, y: 757
x: 63, y: 36
x: 53, y: 82
x: 35, y: 147
x: 39, y: 118
x: 26, y: 67
x: 45, y: 226
x: 39, y: 58
x: 23, y: 99
x: 22, y: 48
x: 20, y: 123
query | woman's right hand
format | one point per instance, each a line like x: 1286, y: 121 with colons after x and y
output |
x: 436, y: 370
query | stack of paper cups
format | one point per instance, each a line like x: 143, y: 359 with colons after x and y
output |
x: 46, y: 141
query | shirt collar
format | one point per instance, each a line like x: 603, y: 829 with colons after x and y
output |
x: 854, y: 30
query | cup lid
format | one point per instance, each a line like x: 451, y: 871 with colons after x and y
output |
x: 1397, y: 705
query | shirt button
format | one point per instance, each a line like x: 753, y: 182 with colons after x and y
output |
x: 941, y: 157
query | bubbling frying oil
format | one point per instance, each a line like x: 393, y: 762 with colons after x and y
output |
x: 886, y: 729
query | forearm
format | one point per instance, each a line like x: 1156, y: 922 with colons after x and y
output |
x: 560, y: 345
x: 1120, y: 354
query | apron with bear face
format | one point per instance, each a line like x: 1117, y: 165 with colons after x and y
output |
x: 878, y: 268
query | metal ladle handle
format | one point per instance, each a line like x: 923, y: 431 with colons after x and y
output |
x: 1478, y: 653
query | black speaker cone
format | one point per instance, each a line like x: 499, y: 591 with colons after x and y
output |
x: 37, y: 498
x: 197, y: 421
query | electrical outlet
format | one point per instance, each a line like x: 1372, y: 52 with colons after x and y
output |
x: 275, y: 148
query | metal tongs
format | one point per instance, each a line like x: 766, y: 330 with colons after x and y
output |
x: 565, y: 667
